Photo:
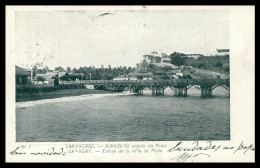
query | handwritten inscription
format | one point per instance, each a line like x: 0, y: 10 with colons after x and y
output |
x: 183, y: 157
x: 245, y: 148
x: 179, y: 152
x: 17, y: 152
x: 53, y: 151
x: 197, y: 149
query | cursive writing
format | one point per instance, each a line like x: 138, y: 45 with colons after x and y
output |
x: 16, y: 152
x: 185, y: 156
x: 245, y: 148
x: 53, y: 151
x: 195, y: 147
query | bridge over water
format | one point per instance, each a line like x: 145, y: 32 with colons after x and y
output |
x: 180, y: 86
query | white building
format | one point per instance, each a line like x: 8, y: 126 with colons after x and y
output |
x: 120, y: 78
x: 179, y: 74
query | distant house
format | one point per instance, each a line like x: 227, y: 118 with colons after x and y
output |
x: 49, y: 78
x: 195, y: 56
x: 154, y: 53
x: 149, y: 78
x: 151, y: 58
x: 163, y: 55
x: 74, y: 76
x: 22, y: 75
x: 166, y: 60
x: 179, y: 74
x: 140, y: 76
x: 120, y: 78
x: 222, y: 52
x: 63, y: 76
x: 154, y: 57
x: 132, y: 78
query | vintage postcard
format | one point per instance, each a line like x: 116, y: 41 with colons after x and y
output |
x: 130, y: 84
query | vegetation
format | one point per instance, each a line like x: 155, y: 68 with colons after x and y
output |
x: 178, y: 58
x: 46, y: 88
x: 95, y: 73
x: 219, y: 63
x: 212, y: 63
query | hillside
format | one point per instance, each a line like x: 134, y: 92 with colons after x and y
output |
x: 213, y: 63
x: 196, y: 67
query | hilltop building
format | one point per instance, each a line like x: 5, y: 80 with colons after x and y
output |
x: 222, y: 52
x: 166, y: 60
x: 154, y: 57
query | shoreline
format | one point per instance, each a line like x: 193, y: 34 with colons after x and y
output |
x: 25, y: 97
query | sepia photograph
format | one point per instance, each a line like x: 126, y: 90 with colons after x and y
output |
x: 130, y: 83
x: 122, y: 75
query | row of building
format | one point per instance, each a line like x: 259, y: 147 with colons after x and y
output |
x: 176, y: 73
x: 154, y: 57
x: 26, y: 76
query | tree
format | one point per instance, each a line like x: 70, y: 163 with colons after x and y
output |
x: 34, y: 70
x: 143, y: 65
x: 201, y: 65
x: 219, y: 65
x: 137, y: 65
x: 68, y: 69
x: 74, y: 70
x: 46, y: 69
x: 41, y: 71
x: 178, y: 58
x: 59, y: 69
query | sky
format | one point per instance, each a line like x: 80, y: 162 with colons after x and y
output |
x: 120, y: 38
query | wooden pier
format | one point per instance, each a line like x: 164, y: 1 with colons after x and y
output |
x: 180, y: 86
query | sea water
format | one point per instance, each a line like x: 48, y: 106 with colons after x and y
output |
x: 125, y: 117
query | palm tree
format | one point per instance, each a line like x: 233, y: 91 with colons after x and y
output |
x: 138, y: 65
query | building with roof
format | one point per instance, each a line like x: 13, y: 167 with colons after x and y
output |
x: 22, y: 75
x: 166, y: 60
x: 222, y: 52
x: 163, y: 55
x: 74, y: 76
x: 195, y: 56
x: 151, y: 58
x: 63, y: 76
x: 49, y: 78
x: 121, y: 77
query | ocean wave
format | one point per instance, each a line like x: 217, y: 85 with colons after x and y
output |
x: 68, y: 99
